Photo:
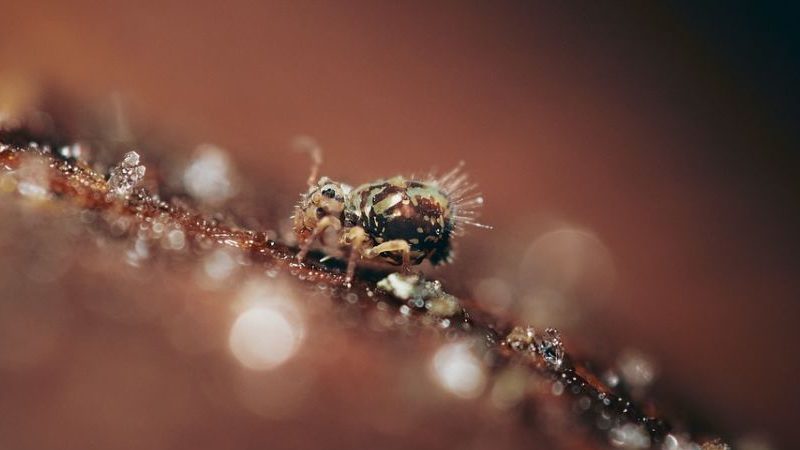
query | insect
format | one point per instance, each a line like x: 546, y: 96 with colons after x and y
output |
x: 401, y: 221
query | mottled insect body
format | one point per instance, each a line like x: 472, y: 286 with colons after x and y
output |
x: 416, y: 212
x: 399, y: 220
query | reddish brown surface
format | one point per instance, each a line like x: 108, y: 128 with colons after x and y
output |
x: 617, y: 121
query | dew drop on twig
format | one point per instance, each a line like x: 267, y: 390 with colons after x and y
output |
x: 522, y: 339
x: 629, y: 436
x: 124, y: 177
x: 550, y: 347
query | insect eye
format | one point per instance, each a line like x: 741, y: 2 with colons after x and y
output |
x: 321, y: 213
x: 330, y: 193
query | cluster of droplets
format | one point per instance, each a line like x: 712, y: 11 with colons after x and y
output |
x: 76, y: 151
x: 420, y: 294
x: 632, y: 436
x: 547, y: 345
x: 629, y: 435
x: 125, y: 176
x: 150, y: 235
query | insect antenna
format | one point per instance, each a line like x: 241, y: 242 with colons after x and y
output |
x: 309, y: 145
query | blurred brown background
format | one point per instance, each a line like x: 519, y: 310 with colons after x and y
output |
x: 670, y: 132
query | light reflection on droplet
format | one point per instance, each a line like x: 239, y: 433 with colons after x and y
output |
x: 175, y: 240
x: 459, y: 371
x: 611, y: 378
x: 678, y: 442
x: 263, y: 338
x: 219, y: 265
x: 33, y: 180
x: 209, y: 176
x: 77, y: 150
x: 139, y: 252
x: 629, y: 436
x: 269, y: 327
x: 567, y: 260
x: 636, y: 368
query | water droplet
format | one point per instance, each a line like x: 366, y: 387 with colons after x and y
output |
x: 636, y: 369
x: 550, y: 347
x: 219, y: 265
x: 678, y: 442
x: 715, y: 444
x: 458, y: 370
x: 444, y: 305
x: 176, y: 239
x: 263, y: 338
x: 209, y: 176
x: 138, y: 253
x: 33, y: 179
x: 125, y: 176
x: 610, y: 378
x: 399, y: 285
x: 522, y: 339
x: 75, y: 151
x: 629, y: 436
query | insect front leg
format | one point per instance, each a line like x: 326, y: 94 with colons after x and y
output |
x: 322, y: 224
x: 356, y: 238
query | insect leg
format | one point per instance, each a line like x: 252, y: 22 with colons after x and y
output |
x: 325, y: 222
x: 395, y: 245
x: 355, y: 237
